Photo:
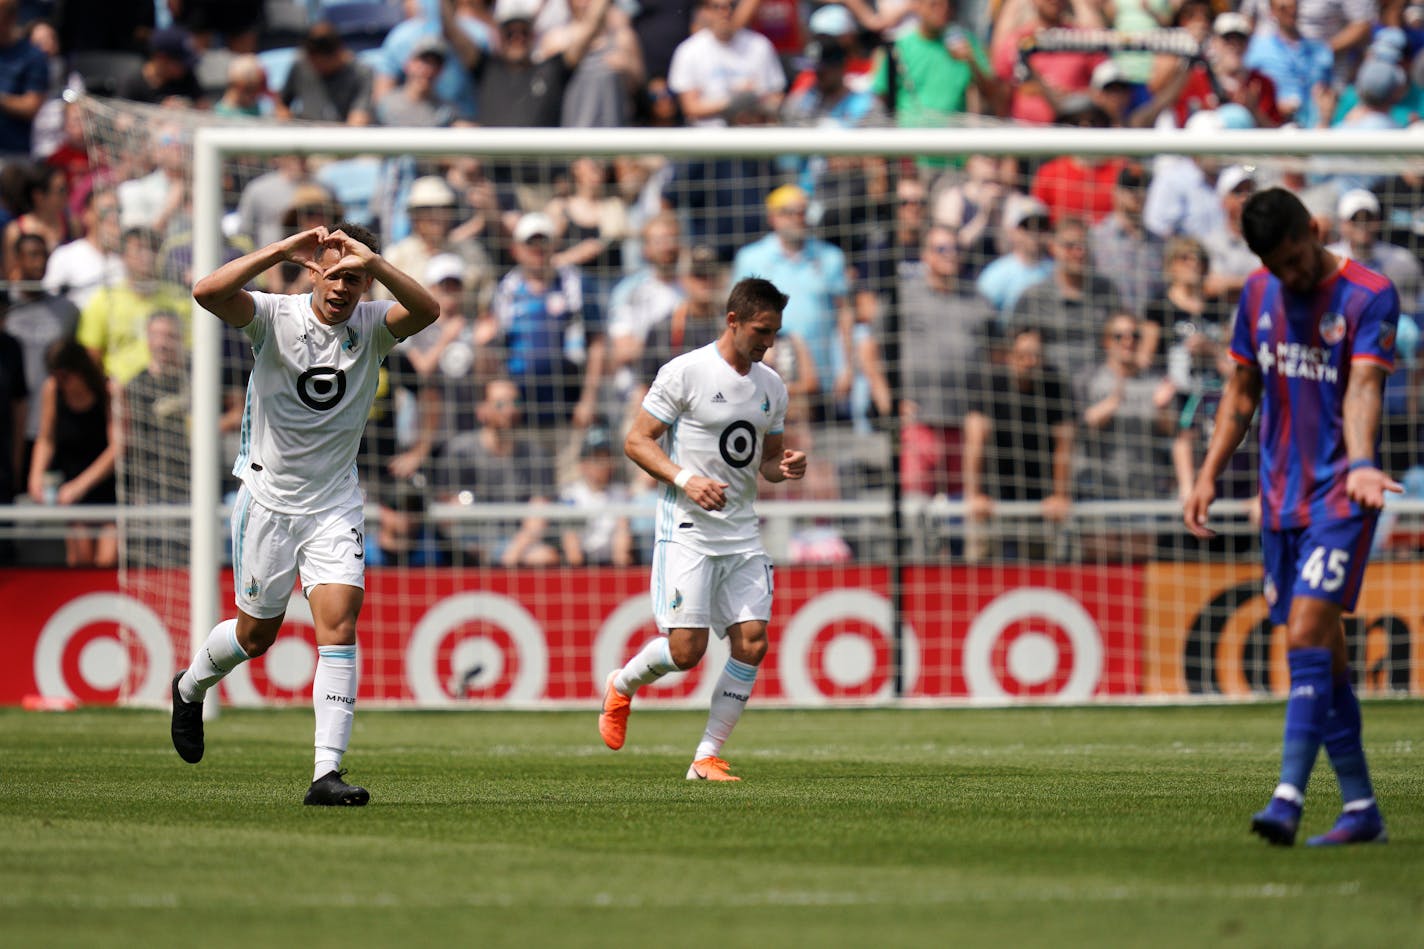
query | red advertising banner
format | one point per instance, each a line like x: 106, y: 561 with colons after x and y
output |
x: 526, y: 638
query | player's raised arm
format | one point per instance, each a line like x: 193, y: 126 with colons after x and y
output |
x: 1233, y: 420
x: 221, y: 292
x: 1365, y: 483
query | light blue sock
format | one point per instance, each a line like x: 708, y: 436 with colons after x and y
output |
x: 729, y: 700
x: 1344, y: 742
x: 1306, y: 711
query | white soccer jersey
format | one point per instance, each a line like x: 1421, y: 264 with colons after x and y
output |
x: 308, y: 398
x: 717, y: 421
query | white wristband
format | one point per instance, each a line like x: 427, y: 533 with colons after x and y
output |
x: 683, y: 476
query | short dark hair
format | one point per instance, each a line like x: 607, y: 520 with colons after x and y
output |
x: 1270, y: 217
x: 357, y: 233
x: 753, y: 295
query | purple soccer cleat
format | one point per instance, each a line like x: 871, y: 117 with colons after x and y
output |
x: 1364, y: 826
x: 1278, y: 822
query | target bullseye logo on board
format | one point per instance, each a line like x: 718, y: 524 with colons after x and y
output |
x: 101, y: 647
x: 1033, y: 642
x: 477, y: 645
x: 838, y: 646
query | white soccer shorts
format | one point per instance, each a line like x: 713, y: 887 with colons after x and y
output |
x: 271, y: 550
x: 692, y: 590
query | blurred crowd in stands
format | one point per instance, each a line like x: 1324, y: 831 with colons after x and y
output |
x: 1048, y: 331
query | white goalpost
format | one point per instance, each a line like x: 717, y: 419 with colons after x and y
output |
x: 213, y: 146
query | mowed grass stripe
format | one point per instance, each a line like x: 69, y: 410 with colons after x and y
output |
x: 1099, y: 826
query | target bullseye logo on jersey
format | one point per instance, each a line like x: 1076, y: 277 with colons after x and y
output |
x: 738, y: 444
x: 322, y: 387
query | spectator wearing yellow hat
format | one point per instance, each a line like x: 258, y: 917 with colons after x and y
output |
x: 819, y: 310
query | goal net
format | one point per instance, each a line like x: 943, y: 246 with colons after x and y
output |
x: 1004, y: 347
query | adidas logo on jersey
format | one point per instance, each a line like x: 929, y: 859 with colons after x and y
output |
x: 719, y: 397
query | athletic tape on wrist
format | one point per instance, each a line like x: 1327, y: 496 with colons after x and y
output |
x: 683, y: 476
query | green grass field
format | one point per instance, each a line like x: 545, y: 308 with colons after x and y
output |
x: 1062, y: 827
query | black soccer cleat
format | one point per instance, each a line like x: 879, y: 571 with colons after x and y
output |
x: 330, y: 791
x: 187, y: 726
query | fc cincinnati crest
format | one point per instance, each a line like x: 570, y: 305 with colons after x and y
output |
x: 1386, y: 336
x: 1263, y: 322
x: 1332, y: 328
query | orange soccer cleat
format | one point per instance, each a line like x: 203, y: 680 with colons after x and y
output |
x: 613, y: 719
x: 710, y: 769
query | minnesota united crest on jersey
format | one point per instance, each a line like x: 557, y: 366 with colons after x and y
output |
x: 717, y: 421
x: 1304, y: 347
x: 308, y: 397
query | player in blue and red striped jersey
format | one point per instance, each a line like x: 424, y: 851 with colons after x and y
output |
x: 1313, y: 342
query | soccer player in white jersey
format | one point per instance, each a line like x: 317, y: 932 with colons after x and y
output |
x: 711, y: 423
x: 299, y: 510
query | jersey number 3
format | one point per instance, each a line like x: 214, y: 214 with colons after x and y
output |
x: 1325, y: 570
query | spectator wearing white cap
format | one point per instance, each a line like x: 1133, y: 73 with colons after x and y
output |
x: 1224, y: 76
x: 1182, y: 198
x: 538, y: 309
x: 1005, y: 278
x: 1230, y: 260
x: 432, y: 210
x: 453, y: 356
x: 1358, y: 217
